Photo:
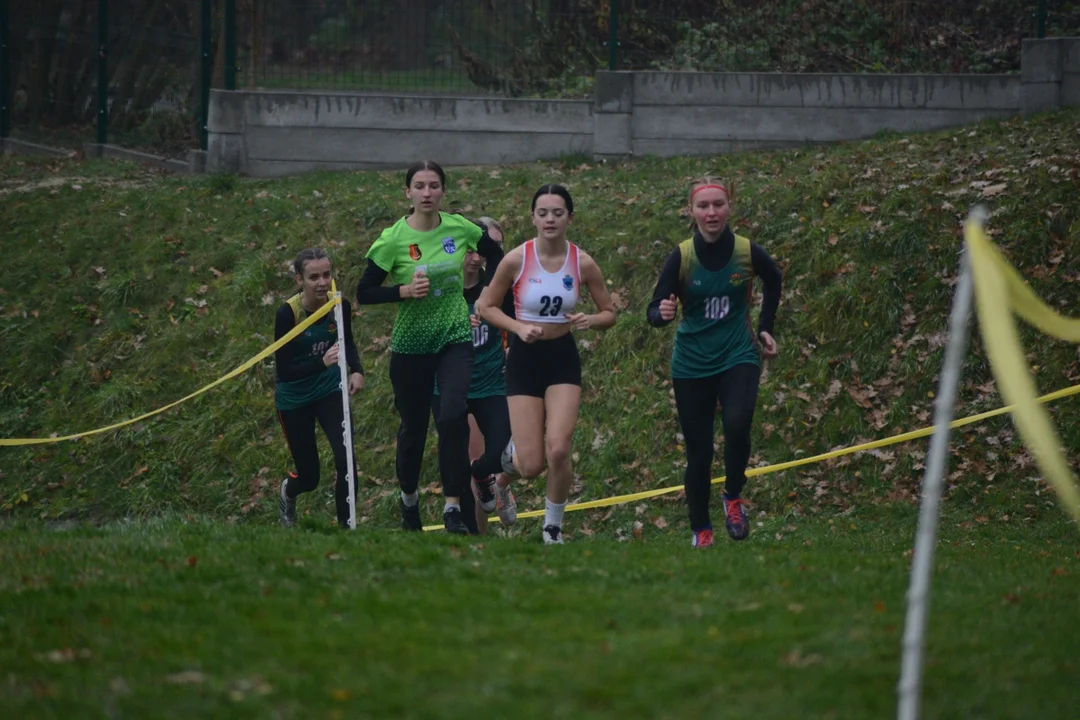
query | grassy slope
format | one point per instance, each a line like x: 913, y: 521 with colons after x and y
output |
x: 106, y: 266
x: 174, y: 619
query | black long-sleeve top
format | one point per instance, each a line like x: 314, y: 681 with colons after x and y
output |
x: 293, y: 360
x: 713, y: 257
x: 370, y: 290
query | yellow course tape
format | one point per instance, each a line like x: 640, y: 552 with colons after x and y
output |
x: 8, y: 442
x: 769, y: 469
x: 999, y: 291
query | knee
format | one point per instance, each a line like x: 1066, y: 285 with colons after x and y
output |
x: 529, y: 465
x: 737, y: 424
x: 558, y: 452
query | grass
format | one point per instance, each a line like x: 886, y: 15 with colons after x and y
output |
x: 189, y: 617
x: 124, y: 289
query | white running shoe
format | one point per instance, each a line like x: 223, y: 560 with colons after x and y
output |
x: 485, y: 491
x: 505, y: 505
x: 552, y: 535
x: 508, y: 460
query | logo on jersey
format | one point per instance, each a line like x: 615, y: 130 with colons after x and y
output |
x: 536, y: 281
x: 568, y: 282
x: 332, y: 327
x: 449, y: 246
x: 736, y: 279
x: 414, y: 252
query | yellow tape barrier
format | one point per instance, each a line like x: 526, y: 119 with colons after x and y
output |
x: 1000, y: 291
x: 238, y: 371
x: 769, y: 469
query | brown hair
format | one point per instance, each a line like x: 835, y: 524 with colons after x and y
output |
x: 306, y: 255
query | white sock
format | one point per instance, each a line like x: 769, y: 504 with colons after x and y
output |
x: 553, y: 513
x: 410, y: 500
x: 452, y: 506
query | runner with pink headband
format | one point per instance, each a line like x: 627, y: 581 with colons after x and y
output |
x: 717, y: 356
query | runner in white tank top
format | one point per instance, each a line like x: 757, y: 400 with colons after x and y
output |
x: 544, y: 297
x: 543, y: 368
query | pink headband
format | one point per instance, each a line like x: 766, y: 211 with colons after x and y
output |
x: 709, y: 187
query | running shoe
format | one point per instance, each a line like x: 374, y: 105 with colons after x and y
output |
x: 453, y: 522
x: 703, y: 539
x: 508, y: 460
x: 505, y: 505
x: 286, y: 506
x: 552, y: 535
x: 738, y: 527
x: 485, y: 489
x: 410, y: 516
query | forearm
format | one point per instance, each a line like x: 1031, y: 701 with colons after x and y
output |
x: 370, y: 290
x: 602, y: 320
x: 496, y: 317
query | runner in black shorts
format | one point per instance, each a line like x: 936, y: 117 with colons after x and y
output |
x: 543, y: 370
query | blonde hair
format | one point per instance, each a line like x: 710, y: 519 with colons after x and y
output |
x: 493, y: 223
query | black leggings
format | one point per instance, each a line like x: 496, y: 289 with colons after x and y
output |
x: 736, y: 389
x: 493, y: 418
x: 299, y: 427
x: 413, y: 378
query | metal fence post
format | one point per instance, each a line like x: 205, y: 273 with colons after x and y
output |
x: 103, y: 73
x: 5, y: 72
x: 230, y: 44
x: 613, y: 38
x: 1041, y: 20
x: 206, y: 67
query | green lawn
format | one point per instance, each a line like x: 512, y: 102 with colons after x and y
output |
x: 197, y: 618
x: 124, y: 289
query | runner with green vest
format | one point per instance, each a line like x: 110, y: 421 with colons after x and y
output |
x: 717, y: 355
x: 487, y: 399
x: 423, y: 253
x: 309, y: 385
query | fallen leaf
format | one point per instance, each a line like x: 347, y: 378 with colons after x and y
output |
x: 833, y: 239
x: 187, y: 677
x: 993, y: 190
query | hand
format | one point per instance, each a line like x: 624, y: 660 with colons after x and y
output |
x: 668, y: 307
x: 530, y: 333
x: 768, y: 345
x: 474, y: 320
x: 331, y: 357
x: 579, y: 321
x: 418, y: 288
x: 356, y: 383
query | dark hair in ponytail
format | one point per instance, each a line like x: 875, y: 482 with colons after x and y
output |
x: 305, y: 255
x: 554, y: 189
x: 425, y: 165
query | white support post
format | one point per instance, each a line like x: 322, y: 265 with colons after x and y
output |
x: 909, y: 689
x: 346, y: 425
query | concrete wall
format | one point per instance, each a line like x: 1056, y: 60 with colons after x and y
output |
x: 265, y: 133
x: 278, y: 133
x: 708, y: 113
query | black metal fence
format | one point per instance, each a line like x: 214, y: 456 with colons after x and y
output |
x: 138, y: 72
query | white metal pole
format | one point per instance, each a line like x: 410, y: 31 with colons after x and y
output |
x: 346, y: 425
x: 909, y: 689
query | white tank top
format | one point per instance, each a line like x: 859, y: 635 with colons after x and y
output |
x: 543, y: 297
